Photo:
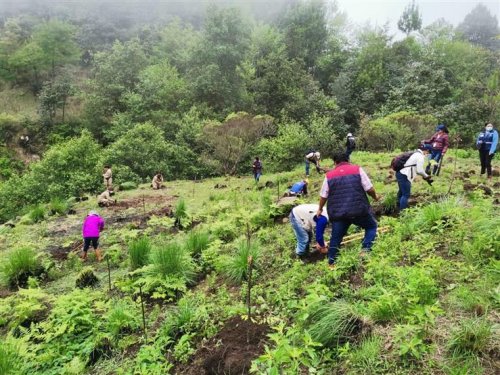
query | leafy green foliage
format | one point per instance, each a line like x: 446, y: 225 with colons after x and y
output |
x: 138, y: 252
x: 58, y: 206
x: 10, y: 359
x: 27, y: 306
x: 122, y: 317
x: 196, y: 242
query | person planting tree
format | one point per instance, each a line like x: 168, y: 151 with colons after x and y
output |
x: 312, y: 157
x: 91, y: 228
x: 345, y: 189
x: 157, y: 182
x: 299, y: 188
x: 304, y: 219
x: 487, y: 143
x: 407, y: 166
x: 437, y: 145
x: 104, y: 199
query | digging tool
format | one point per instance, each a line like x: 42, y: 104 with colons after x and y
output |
x: 457, y: 140
x: 358, y: 236
x: 439, y: 165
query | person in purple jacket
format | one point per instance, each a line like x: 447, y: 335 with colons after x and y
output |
x: 92, y: 225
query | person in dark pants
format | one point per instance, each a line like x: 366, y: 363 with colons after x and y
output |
x: 414, y: 166
x: 257, y: 169
x: 345, y: 189
x: 91, y: 228
x: 438, y: 145
x: 487, y: 143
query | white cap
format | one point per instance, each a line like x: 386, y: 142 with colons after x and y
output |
x: 93, y: 213
x: 349, y: 134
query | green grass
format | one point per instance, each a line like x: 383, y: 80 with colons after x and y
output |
x: 172, y: 260
x: 18, y: 265
x: 196, y: 242
x: 37, y: 214
x: 58, y: 206
x: 235, y: 267
x: 138, y: 252
x: 471, y: 337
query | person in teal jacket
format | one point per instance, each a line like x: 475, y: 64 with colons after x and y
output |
x: 487, y: 143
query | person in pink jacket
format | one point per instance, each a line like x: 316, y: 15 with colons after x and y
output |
x: 91, y: 228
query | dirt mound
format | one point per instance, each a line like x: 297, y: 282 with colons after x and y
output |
x: 231, y: 351
x: 61, y: 252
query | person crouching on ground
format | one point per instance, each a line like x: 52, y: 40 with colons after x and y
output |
x: 312, y: 157
x: 91, y: 228
x: 487, y: 143
x: 299, y: 188
x: 414, y: 166
x: 157, y: 182
x: 304, y: 220
x: 104, y: 199
x: 345, y: 188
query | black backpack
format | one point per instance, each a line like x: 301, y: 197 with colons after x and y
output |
x: 399, y: 161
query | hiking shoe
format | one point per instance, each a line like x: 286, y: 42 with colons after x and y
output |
x: 303, y: 257
x: 364, y: 253
x: 331, y: 266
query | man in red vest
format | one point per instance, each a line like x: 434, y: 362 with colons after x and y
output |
x: 345, y: 189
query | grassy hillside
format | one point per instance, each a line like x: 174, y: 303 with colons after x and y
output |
x: 425, y: 301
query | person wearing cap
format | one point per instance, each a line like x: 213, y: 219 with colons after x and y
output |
x: 304, y: 221
x: 414, y: 166
x: 345, y: 191
x: 350, y: 145
x: 438, y: 145
x: 299, y: 188
x: 91, y: 228
x: 312, y: 157
x: 104, y: 199
x: 487, y: 143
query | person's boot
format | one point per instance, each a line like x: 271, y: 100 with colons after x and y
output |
x: 98, y: 254
x: 84, y: 256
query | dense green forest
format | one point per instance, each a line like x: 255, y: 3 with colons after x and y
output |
x: 194, y: 89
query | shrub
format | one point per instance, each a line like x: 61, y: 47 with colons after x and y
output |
x: 86, y: 278
x: 128, y: 185
x: 172, y: 260
x: 26, y: 306
x: 37, y: 214
x: 18, y: 266
x: 335, y: 323
x: 138, y: 252
x: 58, y: 206
x: 196, y: 242
x: 10, y: 359
x: 401, y: 130
x: 472, y: 336
x: 235, y: 268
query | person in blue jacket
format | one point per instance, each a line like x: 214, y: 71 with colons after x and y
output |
x: 299, y: 188
x: 487, y: 143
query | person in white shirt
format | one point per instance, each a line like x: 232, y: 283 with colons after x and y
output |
x: 304, y: 220
x: 312, y: 157
x: 414, y: 166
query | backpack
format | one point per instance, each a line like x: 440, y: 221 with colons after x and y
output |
x: 399, y: 161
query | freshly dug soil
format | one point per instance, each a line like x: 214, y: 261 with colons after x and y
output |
x: 231, y: 351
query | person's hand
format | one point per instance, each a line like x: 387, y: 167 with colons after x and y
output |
x: 492, y: 153
x: 377, y: 197
x: 319, y: 212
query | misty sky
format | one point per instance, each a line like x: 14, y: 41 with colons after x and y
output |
x: 378, y: 12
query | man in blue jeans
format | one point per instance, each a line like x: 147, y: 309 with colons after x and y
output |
x: 345, y: 188
x: 304, y: 220
x: 414, y: 166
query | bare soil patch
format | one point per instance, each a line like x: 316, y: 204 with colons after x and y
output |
x: 231, y: 351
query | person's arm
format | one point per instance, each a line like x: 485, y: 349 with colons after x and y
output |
x: 446, y: 143
x: 101, y: 224
x: 420, y: 166
x: 323, y: 196
x: 367, y: 185
x: 494, y: 143
x: 321, y: 223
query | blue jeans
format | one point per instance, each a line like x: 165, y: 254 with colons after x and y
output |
x: 303, y: 236
x: 257, y: 176
x: 404, y: 190
x: 308, y: 165
x: 340, y: 227
x: 348, y: 152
